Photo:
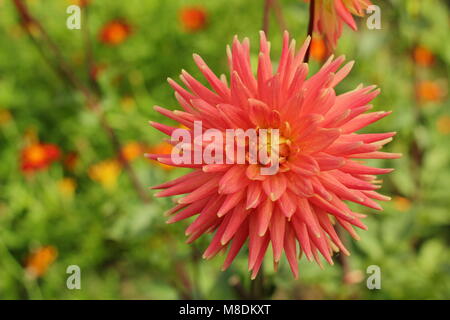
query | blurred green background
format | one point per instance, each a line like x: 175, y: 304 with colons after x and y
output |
x: 82, y: 209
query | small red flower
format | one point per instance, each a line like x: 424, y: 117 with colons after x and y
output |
x: 38, y: 156
x: 423, y: 57
x: 114, y: 32
x: 193, y: 18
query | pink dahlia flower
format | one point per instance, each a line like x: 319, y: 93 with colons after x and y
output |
x: 329, y: 16
x: 296, y: 209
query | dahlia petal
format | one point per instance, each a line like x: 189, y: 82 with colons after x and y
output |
x: 191, y: 175
x: 191, y: 210
x: 321, y: 140
x: 207, y: 216
x: 307, y: 125
x: 210, y: 168
x: 320, y: 189
x: 233, y: 180
x: 213, y: 80
x: 264, y: 214
x: 254, y: 195
x: 182, y: 117
x: 306, y: 162
x: 328, y: 162
x: 168, y: 161
x: 199, y: 89
x: 353, y: 183
x: 338, y: 188
x: 255, y: 240
x: 237, y: 218
x: 363, y: 121
x: 347, y: 226
x: 307, y: 216
x: 345, y: 14
x: 321, y: 243
x: 303, y: 188
x: 290, y: 248
x: 183, y: 93
x: 258, y: 112
x: 357, y: 168
x: 277, y: 231
x: 328, y: 207
x: 230, y: 202
x: 163, y: 128
x: 376, y: 155
x: 324, y: 221
x: 210, y: 187
x: 376, y: 195
x: 342, y: 73
x: 175, y: 209
x: 372, y: 137
x: 236, y: 245
x: 275, y: 186
x: 216, y: 245
x: 260, y: 258
x: 302, y: 235
x: 287, y: 205
x: 253, y: 172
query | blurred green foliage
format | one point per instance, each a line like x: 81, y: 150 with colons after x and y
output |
x: 123, y: 247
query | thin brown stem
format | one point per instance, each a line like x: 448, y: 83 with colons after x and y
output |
x: 257, y: 289
x: 266, y: 13
x: 343, y: 260
x: 67, y: 74
x: 277, y: 9
x: 310, y: 28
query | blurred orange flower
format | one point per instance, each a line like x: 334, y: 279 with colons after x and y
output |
x: 132, y: 150
x: 429, y: 91
x: 106, y: 173
x: 443, y: 124
x: 162, y: 148
x: 114, y: 32
x: 422, y: 56
x: 67, y: 187
x: 318, y: 49
x: 80, y: 3
x: 193, y: 18
x: 38, y: 262
x: 38, y: 156
x: 402, y: 204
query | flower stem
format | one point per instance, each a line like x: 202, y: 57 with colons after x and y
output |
x: 64, y: 70
x: 310, y: 28
x: 267, y: 6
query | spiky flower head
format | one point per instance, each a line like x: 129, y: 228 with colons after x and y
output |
x: 297, y: 209
x: 330, y: 15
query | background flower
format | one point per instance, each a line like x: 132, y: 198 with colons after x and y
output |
x: 330, y: 15
x: 38, y: 156
x: 38, y: 262
x: 193, y: 18
x: 115, y: 32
